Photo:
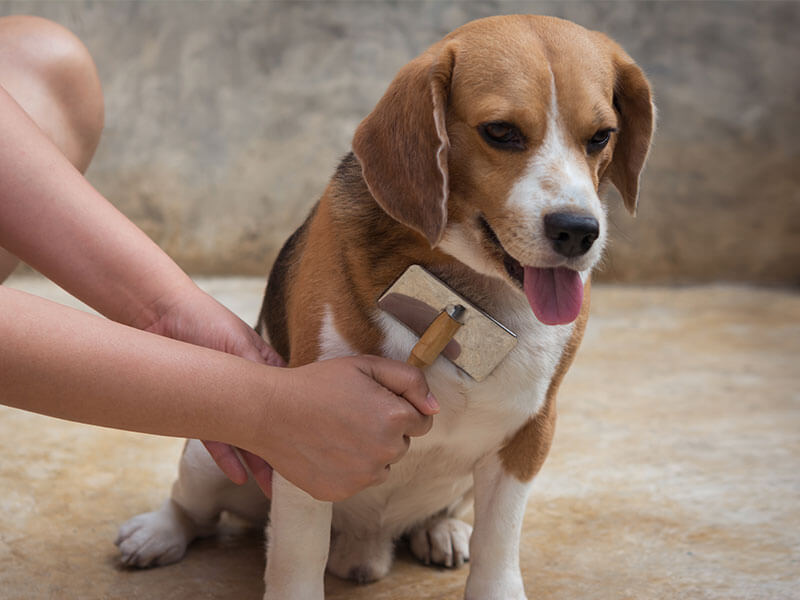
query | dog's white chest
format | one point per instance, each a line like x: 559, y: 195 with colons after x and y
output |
x: 475, y: 420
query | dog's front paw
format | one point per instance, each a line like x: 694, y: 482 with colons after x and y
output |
x: 494, y: 595
x: 443, y: 542
x: 156, y: 538
x: 506, y: 585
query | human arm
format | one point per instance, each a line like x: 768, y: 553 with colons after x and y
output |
x: 327, y: 439
x: 52, y: 218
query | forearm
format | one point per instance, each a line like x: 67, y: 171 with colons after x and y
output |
x: 65, y: 363
x: 53, y: 219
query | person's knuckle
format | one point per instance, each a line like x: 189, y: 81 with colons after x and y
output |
x: 414, y: 377
x: 394, y: 418
x: 386, y: 455
x: 366, y: 362
x: 398, y: 449
x: 402, y: 412
x: 378, y: 476
x: 427, y: 424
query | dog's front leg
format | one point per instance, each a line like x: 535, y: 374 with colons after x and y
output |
x: 494, y: 547
x: 298, y: 539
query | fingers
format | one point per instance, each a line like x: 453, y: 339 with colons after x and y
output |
x: 417, y: 425
x: 267, y: 353
x: 261, y: 470
x: 403, y: 380
x: 408, y: 383
x: 368, y: 408
x: 226, y: 459
x: 252, y: 346
x: 406, y: 446
x: 271, y: 357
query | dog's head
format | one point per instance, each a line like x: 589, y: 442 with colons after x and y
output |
x: 495, y: 142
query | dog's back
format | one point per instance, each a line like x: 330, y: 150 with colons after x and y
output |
x: 344, y: 255
x: 273, y: 318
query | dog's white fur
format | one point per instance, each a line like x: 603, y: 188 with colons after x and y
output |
x: 457, y: 458
x: 437, y: 471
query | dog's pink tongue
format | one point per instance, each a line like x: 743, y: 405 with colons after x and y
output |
x: 555, y: 295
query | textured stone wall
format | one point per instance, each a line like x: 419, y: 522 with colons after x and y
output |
x: 226, y: 118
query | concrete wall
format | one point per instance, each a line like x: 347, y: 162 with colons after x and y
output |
x: 226, y: 118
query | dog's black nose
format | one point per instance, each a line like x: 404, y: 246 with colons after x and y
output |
x: 572, y: 235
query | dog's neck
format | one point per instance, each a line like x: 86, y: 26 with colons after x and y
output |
x: 389, y: 247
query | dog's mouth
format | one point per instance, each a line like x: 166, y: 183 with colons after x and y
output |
x: 555, y: 294
x: 513, y: 267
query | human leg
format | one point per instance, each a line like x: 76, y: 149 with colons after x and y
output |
x: 51, y: 75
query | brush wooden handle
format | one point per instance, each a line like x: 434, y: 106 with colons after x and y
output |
x: 433, y: 341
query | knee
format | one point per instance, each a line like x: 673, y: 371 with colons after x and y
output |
x: 56, y: 62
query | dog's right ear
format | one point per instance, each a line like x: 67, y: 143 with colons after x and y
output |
x: 402, y: 144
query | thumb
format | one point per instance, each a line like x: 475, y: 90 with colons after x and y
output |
x: 403, y: 380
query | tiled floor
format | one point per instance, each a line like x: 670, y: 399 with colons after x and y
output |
x: 675, y: 473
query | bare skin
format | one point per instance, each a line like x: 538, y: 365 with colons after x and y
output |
x: 224, y: 384
x: 88, y: 369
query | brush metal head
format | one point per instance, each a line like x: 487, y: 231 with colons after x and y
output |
x: 417, y: 297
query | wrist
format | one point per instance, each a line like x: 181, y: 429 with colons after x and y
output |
x: 262, y: 421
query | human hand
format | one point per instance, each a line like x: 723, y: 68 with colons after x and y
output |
x: 339, y: 424
x: 190, y: 315
x: 193, y: 316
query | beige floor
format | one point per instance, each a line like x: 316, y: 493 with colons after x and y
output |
x: 675, y: 472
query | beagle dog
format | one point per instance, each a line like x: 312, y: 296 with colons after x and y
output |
x: 484, y: 162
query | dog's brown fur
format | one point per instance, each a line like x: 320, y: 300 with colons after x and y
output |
x: 524, y: 454
x: 419, y: 165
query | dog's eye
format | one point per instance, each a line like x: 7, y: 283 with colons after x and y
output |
x: 599, y: 140
x: 502, y: 135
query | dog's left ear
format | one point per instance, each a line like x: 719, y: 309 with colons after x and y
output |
x: 402, y: 144
x: 634, y: 105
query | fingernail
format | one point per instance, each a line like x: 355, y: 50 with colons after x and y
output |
x: 433, y: 403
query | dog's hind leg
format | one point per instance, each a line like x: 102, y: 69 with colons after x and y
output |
x: 200, y: 493
x: 443, y: 539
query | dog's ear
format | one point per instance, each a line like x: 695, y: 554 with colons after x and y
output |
x: 402, y: 145
x: 634, y: 105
